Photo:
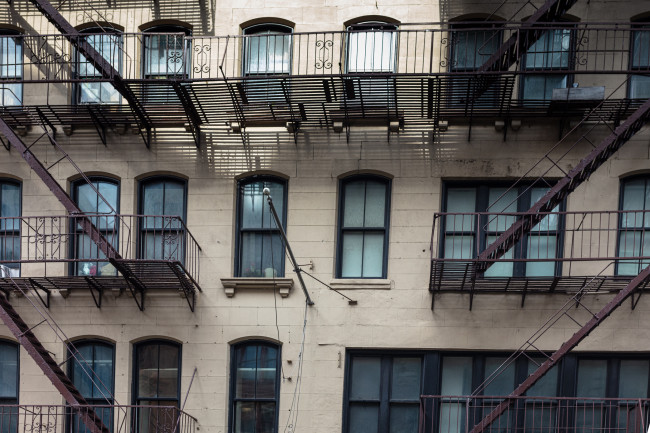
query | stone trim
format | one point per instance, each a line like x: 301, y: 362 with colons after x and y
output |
x: 362, y: 283
x: 283, y: 285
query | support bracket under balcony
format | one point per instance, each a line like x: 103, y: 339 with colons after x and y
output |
x: 94, y: 287
x: 99, y: 126
x: 37, y: 286
x: 191, y: 112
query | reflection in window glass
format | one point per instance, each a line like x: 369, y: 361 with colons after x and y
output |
x: 550, y: 51
x: 10, y: 208
x: 109, y: 46
x: 633, y: 239
x: 639, y: 85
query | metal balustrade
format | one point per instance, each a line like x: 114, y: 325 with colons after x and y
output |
x: 539, y: 414
x: 561, y: 253
x: 118, y: 418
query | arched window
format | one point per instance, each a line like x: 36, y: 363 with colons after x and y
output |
x: 364, y: 214
x: 9, y: 380
x: 259, y: 249
x: 162, y: 206
x: 92, y: 370
x: 11, y: 67
x: 254, y: 387
x: 102, y: 207
x: 634, y: 227
x: 372, y: 47
x: 10, y: 210
x: 639, y: 84
x: 156, y: 382
x: 267, y: 49
x: 108, y: 43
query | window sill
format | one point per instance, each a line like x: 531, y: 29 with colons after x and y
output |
x: 283, y: 285
x: 362, y: 283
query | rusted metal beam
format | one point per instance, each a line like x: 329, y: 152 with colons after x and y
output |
x: 572, y: 342
x: 565, y: 186
x: 44, y: 360
x: 102, y: 65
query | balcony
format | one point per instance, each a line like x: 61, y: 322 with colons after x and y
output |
x: 156, y: 252
x: 563, y: 253
x: 118, y: 418
x: 415, y: 76
x: 446, y: 414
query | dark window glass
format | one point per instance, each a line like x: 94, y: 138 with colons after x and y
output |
x: 162, y: 232
x: 639, y: 84
x: 156, y: 383
x: 92, y: 372
x: 384, y: 393
x: 108, y: 43
x: 102, y: 209
x: 11, y: 68
x: 254, y: 387
x: 467, y: 232
x: 550, y: 52
x: 260, y: 246
x: 9, y: 362
x: 10, y: 208
x: 633, y: 239
x: 364, y: 208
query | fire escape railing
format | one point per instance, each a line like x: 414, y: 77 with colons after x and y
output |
x: 535, y: 414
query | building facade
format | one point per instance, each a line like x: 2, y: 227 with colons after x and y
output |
x: 399, y: 142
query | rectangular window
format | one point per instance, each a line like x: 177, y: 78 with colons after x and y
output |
x: 10, y: 210
x: 11, y: 68
x: 639, y: 84
x: 260, y: 249
x: 364, y: 209
x: 478, y: 215
x: 163, y: 208
x: 9, y: 380
x: 372, y: 47
x: 552, y: 51
x: 634, y: 226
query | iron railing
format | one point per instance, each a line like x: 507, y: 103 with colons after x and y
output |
x: 118, y: 419
x: 33, y: 240
x: 527, y: 414
x: 436, y: 48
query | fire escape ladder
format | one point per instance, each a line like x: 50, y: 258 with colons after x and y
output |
x: 558, y: 192
x: 585, y: 329
x: 102, y: 65
x: 44, y: 360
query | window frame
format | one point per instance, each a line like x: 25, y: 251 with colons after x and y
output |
x: 480, y: 238
x: 19, y: 66
x: 4, y: 233
x: 69, y: 425
x: 275, y: 29
x: 570, y: 78
x: 76, y: 88
x: 619, y: 226
x: 240, y: 214
x: 343, y: 182
x: 232, y: 400
x: 142, y: 183
x: 74, y: 189
x: 636, y: 26
x: 370, y: 27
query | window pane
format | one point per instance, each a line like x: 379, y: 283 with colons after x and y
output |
x: 375, y: 204
x: 8, y: 371
x: 246, y: 371
x: 502, y: 200
x: 266, y: 371
x: 103, y: 367
x: 82, y: 371
x: 456, y: 375
x: 549, y: 223
x: 547, y: 385
x: 351, y: 261
x: 501, y: 268
x: 153, y: 198
x: 472, y: 48
x: 459, y: 247
x: 405, y: 381
x: 164, y: 55
x: 147, y: 357
x: 261, y: 255
x: 540, y: 87
x: 256, y: 212
x: 633, y: 379
x: 641, y: 49
x: 174, y: 199
x: 353, y: 206
x: 9, y: 249
x: 502, y: 384
x: 639, y: 86
x: 541, y: 247
x: 634, y: 198
x: 540, y: 417
x: 404, y: 419
x: 244, y: 417
x: 267, y: 53
x: 452, y: 417
x: 10, y: 205
x: 460, y: 200
x: 371, y: 51
x: 373, y: 255
x: 629, y: 245
x: 592, y: 378
x: 168, y: 371
x: 364, y: 418
x: 365, y: 378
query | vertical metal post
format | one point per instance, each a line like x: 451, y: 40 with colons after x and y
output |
x: 296, y: 268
